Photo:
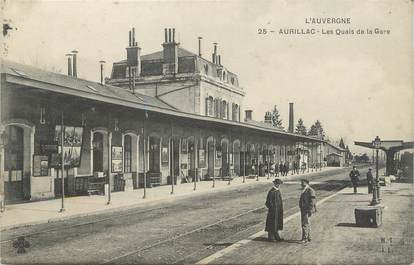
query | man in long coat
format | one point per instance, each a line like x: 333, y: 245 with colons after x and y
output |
x: 307, y: 205
x: 274, y: 204
x: 354, y: 175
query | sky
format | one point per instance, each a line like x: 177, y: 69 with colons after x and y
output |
x: 358, y: 86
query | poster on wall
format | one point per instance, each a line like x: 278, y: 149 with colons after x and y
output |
x: 72, y: 147
x: 116, y: 166
x: 116, y: 154
x: 40, y: 166
x: 184, y: 146
x: 218, y: 154
x: 202, y: 158
x: 164, y: 155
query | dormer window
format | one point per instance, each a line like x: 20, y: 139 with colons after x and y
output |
x: 206, y: 69
x: 232, y: 80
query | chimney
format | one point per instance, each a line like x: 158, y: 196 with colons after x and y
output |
x: 133, y: 36
x: 166, y: 36
x: 214, y: 55
x: 102, y: 71
x: 133, y: 53
x: 249, y: 115
x: 69, y: 55
x: 199, y: 46
x: 74, y: 61
x: 268, y: 117
x: 170, y: 53
x: 291, y: 118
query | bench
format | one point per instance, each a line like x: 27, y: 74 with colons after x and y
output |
x: 152, y: 179
x: 96, y: 186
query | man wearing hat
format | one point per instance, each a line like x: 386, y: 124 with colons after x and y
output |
x: 370, y: 180
x: 307, y: 205
x: 354, y: 175
x: 274, y: 204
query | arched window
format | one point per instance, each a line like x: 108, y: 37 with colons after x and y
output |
x: 235, y: 112
x: 217, y: 107
x: 209, y: 106
x: 224, y: 109
x: 127, y: 153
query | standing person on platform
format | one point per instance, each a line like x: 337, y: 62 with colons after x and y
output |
x: 354, y: 175
x: 370, y: 180
x: 281, y: 168
x: 286, y: 168
x: 272, y: 169
x: 274, y: 204
x: 303, y: 167
x: 276, y: 169
x: 307, y: 205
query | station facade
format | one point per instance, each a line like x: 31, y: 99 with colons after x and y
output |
x: 177, y: 121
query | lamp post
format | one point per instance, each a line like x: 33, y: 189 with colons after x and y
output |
x: 376, y: 188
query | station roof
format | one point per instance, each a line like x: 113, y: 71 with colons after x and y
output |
x: 394, y: 145
x: 77, y: 85
x: 34, y: 77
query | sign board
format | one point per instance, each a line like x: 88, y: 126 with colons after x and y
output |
x: 47, y: 148
x: 201, y: 157
x: 40, y: 166
x: 72, y: 145
x: 116, y: 155
x: 164, y: 155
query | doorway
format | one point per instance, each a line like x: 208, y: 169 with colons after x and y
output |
x: 210, y: 158
x: 98, y: 152
x: 13, y: 163
x: 154, y: 154
x: 224, y: 159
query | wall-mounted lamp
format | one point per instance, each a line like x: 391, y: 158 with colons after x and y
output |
x: 83, y: 119
x: 116, y: 124
x: 42, y: 115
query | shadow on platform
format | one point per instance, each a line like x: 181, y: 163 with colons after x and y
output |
x: 347, y: 225
x: 218, y: 244
x: 264, y: 239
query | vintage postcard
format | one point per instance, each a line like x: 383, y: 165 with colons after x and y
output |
x: 207, y: 132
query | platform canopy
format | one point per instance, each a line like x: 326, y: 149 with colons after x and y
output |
x: 390, y: 147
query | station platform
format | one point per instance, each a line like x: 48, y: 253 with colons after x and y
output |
x: 335, y: 237
x: 30, y: 213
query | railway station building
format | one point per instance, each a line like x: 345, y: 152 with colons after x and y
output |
x: 168, y: 117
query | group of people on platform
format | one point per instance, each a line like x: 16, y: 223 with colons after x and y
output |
x: 307, y: 205
x: 354, y: 176
x: 274, y: 204
x: 281, y: 169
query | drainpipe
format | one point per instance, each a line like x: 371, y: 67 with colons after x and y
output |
x: 62, y: 136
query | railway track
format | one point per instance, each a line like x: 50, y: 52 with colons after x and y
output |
x: 329, y: 186
x: 261, y: 209
x: 28, y: 235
